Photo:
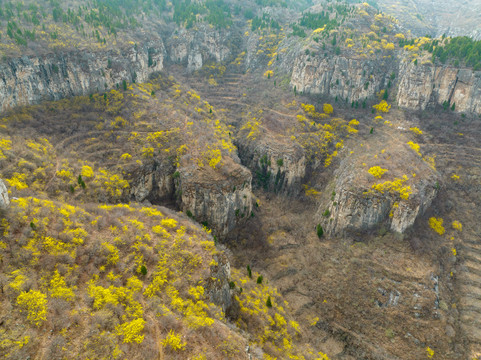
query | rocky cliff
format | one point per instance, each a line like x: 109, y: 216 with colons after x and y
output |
x: 195, y: 48
x: 29, y: 80
x: 219, y: 199
x: 424, y: 86
x: 417, y: 87
x: 4, y: 200
x: 153, y: 182
x: 276, y: 166
x: 53, y: 76
x: 352, y: 204
x: 217, y: 285
x: 353, y: 211
x: 342, y: 77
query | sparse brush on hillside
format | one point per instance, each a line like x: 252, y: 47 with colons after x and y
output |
x: 124, y: 279
x: 102, y: 279
x: 361, y: 229
x: 116, y: 134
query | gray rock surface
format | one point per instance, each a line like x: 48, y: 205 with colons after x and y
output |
x: 217, y: 285
x: 31, y: 79
x: 222, y: 199
x: 195, y: 48
x: 153, y: 182
x: 353, y: 210
x: 4, y: 200
x: 346, y: 78
x: 425, y: 86
x: 278, y: 166
x: 416, y: 87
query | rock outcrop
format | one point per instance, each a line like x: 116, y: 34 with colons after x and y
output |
x: 153, y: 182
x: 418, y: 87
x: 342, y: 77
x: 425, y: 86
x: 4, y: 200
x: 195, y: 48
x: 354, y: 207
x: 53, y: 76
x: 277, y: 166
x: 219, y: 199
x: 31, y: 79
x: 218, y: 284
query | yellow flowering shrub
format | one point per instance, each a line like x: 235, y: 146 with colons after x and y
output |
x: 174, y: 341
x: 377, y: 171
x: 437, y: 225
x: 169, y: 223
x: 130, y: 331
x: 382, y: 107
x: 35, y: 304
x: 18, y: 181
x: 87, y: 171
x: 457, y: 225
x: 268, y: 73
x: 415, y: 147
x: 397, y: 186
x: 113, y: 253
x: 59, y: 289
x: 328, y: 109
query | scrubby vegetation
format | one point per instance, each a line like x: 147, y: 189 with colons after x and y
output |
x: 87, y: 270
x: 99, y: 273
x: 125, y: 120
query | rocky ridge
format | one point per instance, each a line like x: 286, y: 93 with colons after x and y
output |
x: 356, y: 201
x: 220, y: 201
x: 53, y: 76
x: 4, y: 200
x: 418, y: 87
x: 277, y: 166
x: 31, y: 79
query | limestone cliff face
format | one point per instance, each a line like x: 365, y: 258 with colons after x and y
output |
x: 29, y: 80
x: 221, y: 198
x: 352, y: 208
x: 4, y: 200
x: 417, y: 87
x: 193, y: 48
x: 153, y: 182
x: 351, y: 79
x: 277, y: 167
x: 217, y: 285
x: 424, y: 86
x: 408, y: 211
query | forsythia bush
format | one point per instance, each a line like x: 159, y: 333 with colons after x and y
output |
x: 437, y: 225
x: 377, y: 171
x: 131, y: 330
x: 59, y: 289
x: 416, y: 130
x: 415, y: 147
x: 174, y: 341
x: 268, y: 73
x: 382, y: 107
x: 113, y: 256
x: 35, y: 303
x: 396, y: 186
x: 328, y: 109
x: 457, y: 225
